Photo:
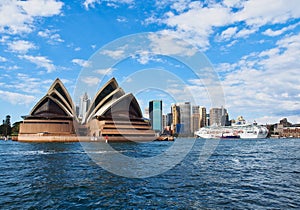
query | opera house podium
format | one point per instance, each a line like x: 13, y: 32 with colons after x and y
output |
x: 113, y: 115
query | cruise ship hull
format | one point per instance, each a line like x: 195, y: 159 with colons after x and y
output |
x: 234, y: 132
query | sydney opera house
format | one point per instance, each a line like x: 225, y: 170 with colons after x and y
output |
x: 112, y: 115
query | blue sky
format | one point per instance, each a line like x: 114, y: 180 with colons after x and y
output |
x: 254, y: 47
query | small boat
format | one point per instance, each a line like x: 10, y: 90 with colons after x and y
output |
x: 165, y: 138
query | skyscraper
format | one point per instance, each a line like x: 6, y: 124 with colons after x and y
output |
x: 218, y: 116
x: 207, y: 119
x: 202, y: 112
x: 195, y: 123
x: 185, y: 117
x: 169, y: 119
x: 155, y: 114
x: 146, y: 114
x: 164, y: 121
x: 175, y: 118
x: 84, y: 105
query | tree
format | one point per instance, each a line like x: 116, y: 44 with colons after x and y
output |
x: 7, y: 120
x: 5, y: 128
x: 15, y: 128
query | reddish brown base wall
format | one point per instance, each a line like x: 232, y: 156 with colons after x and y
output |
x: 41, y: 139
x: 37, y: 138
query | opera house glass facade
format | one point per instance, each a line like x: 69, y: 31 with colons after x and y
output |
x: 112, y: 115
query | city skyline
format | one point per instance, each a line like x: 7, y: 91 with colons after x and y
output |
x: 253, y: 47
x: 186, y: 118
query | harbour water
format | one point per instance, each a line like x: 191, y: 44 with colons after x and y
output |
x: 237, y: 174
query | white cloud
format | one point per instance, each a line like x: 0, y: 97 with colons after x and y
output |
x: 228, y: 33
x: 266, y: 83
x: 122, y: 19
x: 160, y: 43
x: 44, y: 34
x: 167, y: 44
x: 81, y: 62
x: 28, y: 84
x: 19, y: 16
x: 43, y: 8
x: 51, y: 35
x: 2, y: 59
x: 144, y: 57
x: 115, y: 54
x: 90, y: 3
x: 65, y: 81
x: 21, y: 46
x: 16, y: 98
x: 13, y: 19
x: 245, y: 32
x: 196, y: 21
x: 41, y: 62
x: 180, y: 5
x: 234, y: 32
x: 207, y: 18
x: 14, y: 67
x: 259, y: 13
x: 231, y: 43
x: 104, y: 71
x: 233, y: 3
x: 285, y: 56
x: 4, y: 39
x: 127, y: 79
x: 112, y: 3
x: 91, y: 81
x: 270, y: 32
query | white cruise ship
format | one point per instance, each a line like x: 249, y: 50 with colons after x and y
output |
x: 238, y: 130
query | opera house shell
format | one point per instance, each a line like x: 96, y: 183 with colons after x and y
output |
x: 113, y: 115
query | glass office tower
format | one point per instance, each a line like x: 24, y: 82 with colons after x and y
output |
x: 155, y: 114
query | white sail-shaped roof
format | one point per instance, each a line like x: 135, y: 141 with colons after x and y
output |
x: 107, y: 100
x: 64, y: 94
x: 57, y: 102
x: 125, y: 106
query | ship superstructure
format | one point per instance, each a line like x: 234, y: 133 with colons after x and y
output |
x: 240, y: 129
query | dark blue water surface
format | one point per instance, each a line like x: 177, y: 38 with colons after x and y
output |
x: 237, y: 174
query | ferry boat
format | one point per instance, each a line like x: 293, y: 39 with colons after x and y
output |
x: 240, y: 130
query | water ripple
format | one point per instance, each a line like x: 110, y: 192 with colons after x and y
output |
x: 254, y: 174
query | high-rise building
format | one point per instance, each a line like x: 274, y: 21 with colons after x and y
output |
x: 169, y: 119
x: 146, y: 114
x: 226, y: 119
x: 195, y: 109
x: 185, y: 117
x: 155, y: 114
x: 175, y: 118
x: 84, y: 105
x: 207, y: 120
x: 203, y: 119
x: 164, y: 121
x: 218, y: 116
x: 198, y: 118
x: 77, y: 110
x: 195, y: 122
